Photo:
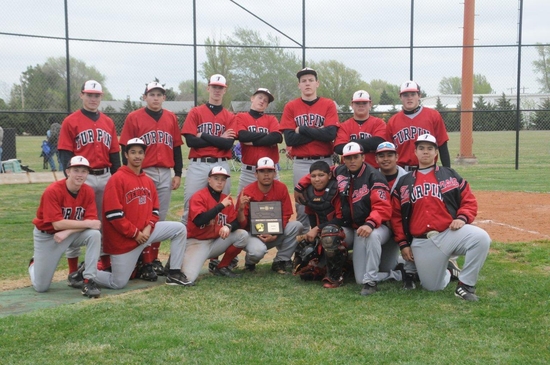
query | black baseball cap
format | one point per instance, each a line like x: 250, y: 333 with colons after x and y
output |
x: 306, y: 71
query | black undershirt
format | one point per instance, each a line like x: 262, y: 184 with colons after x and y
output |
x: 153, y: 114
x: 92, y: 115
x: 215, y: 109
x: 415, y: 110
x: 311, y: 102
x: 255, y: 114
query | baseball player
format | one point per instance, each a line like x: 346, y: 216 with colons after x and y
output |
x: 66, y: 217
x: 259, y: 135
x: 433, y: 209
x: 266, y: 188
x: 309, y: 124
x: 365, y: 207
x: 159, y: 129
x: 412, y: 121
x: 213, y: 228
x: 131, y: 222
x: 362, y: 128
x: 209, y: 131
x: 91, y: 134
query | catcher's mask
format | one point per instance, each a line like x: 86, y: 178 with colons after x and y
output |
x: 332, y: 236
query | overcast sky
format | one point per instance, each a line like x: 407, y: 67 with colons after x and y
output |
x: 344, y: 23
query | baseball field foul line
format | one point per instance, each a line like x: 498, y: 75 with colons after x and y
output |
x: 489, y: 221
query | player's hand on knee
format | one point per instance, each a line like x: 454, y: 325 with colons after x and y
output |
x: 364, y: 231
x: 93, y: 223
x: 456, y: 224
x: 407, y: 254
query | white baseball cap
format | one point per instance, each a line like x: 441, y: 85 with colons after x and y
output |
x: 386, y: 146
x: 409, y: 86
x: 265, y: 91
x: 134, y: 142
x: 265, y: 163
x: 352, y: 148
x: 218, y: 80
x: 426, y: 138
x: 154, y: 85
x: 360, y: 95
x: 78, y: 161
x: 92, y: 87
x: 218, y: 170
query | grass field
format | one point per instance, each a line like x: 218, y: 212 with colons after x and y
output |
x: 270, y: 319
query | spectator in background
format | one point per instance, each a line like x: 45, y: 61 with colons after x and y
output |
x: 53, y: 137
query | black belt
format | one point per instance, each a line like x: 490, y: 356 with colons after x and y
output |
x: 312, y: 158
x: 249, y: 167
x: 410, y: 168
x: 46, y: 232
x: 98, y: 172
x: 209, y: 159
x: 423, y: 236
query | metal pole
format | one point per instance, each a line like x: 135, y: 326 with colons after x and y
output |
x: 195, y: 79
x: 303, y: 33
x: 412, y: 42
x: 518, y: 113
x: 68, y: 58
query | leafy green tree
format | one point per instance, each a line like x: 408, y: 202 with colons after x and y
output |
x: 453, y: 85
x: 385, y: 99
x: 484, y: 117
x: 337, y: 81
x: 187, y: 91
x: 378, y: 87
x: 541, y: 67
x: 450, y: 117
x: 542, y: 116
x: 505, y: 114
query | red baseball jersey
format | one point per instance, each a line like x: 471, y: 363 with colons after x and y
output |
x: 321, y: 114
x: 160, y: 137
x: 130, y: 203
x: 201, y: 119
x: 265, y: 124
x: 93, y: 140
x: 403, y: 132
x: 278, y: 192
x: 57, y: 204
x: 202, y: 201
x: 350, y: 130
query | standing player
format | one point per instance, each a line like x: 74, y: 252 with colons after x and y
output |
x: 213, y: 228
x: 365, y: 207
x: 91, y: 134
x: 266, y: 188
x: 259, y: 135
x: 66, y: 217
x: 209, y: 131
x: 362, y: 128
x: 131, y: 222
x: 309, y: 124
x: 159, y: 129
x: 429, y: 240
x: 412, y: 121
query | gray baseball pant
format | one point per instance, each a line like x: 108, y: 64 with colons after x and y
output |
x: 123, y: 265
x: 285, y: 243
x: 431, y: 255
x: 47, y: 254
x: 162, y: 177
x: 198, y: 251
x: 196, y: 179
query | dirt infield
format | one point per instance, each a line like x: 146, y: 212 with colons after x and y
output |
x: 514, y: 216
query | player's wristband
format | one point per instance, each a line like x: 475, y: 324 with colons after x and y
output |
x: 228, y: 226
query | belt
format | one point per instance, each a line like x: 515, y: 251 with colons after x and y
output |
x: 249, y: 167
x: 423, y: 236
x: 46, y: 232
x: 98, y: 172
x: 410, y: 168
x: 209, y: 159
x: 312, y: 157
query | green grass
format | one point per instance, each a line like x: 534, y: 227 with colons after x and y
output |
x: 271, y: 319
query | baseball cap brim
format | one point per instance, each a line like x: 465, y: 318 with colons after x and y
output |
x: 269, y: 96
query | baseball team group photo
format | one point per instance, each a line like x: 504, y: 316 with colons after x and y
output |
x: 276, y: 208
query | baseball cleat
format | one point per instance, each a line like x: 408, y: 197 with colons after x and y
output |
x: 280, y: 267
x: 90, y: 289
x: 453, y: 269
x: 178, y: 278
x: 408, y: 282
x: 212, y: 265
x: 332, y: 284
x: 76, y: 278
x: 250, y: 267
x: 234, y: 263
x: 369, y: 288
x: 466, y: 292
x: 148, y: 273
x: 225, y: 271
x: 157, y: 267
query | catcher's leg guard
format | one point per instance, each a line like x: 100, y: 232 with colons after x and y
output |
x: 336, y: 253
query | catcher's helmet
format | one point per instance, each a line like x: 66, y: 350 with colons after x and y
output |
x: 332, y: 237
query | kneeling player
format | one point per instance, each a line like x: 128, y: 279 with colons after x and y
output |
x: 131, y: 214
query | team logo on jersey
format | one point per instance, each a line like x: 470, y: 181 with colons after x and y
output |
x: 425, y: 190
x: 449, y: 184
x: 214, y: 129
x: 86, y: 137
x: 142, y: 194
x: 410, y: 133
x: 221, y: 219
x: 79, y: 213
x: 360, y: 193
x: 360, y: 135
x: 158, y: 137
x: 257, y: 129
x: 310, y: 120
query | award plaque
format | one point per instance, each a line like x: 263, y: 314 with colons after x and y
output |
x: 266, y: 218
